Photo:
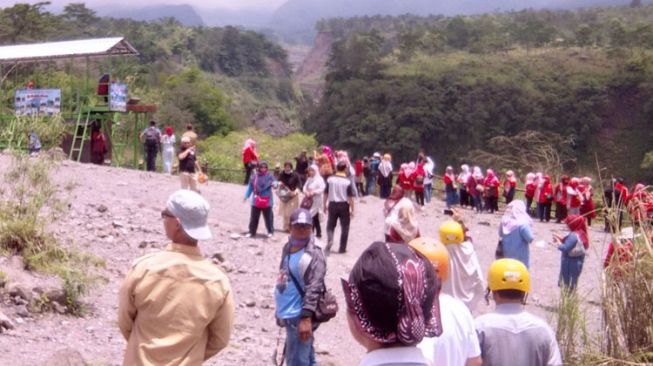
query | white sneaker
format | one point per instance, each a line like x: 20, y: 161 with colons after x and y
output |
x: 248, y: 235
x: 269, y: 235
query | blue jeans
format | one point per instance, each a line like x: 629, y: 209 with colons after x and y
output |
x: 428, y: 189
x: 371, y: 185
x: 298, y: 353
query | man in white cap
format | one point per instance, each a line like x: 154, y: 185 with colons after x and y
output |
x: 175, y: 306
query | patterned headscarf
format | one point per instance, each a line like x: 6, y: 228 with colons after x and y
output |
x: 392, y: 295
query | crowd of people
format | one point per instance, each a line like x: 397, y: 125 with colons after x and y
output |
x: 408, y: 299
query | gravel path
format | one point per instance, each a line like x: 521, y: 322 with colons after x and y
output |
x: 131, y: 227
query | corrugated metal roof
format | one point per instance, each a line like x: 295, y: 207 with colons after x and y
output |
x: 66, y: 49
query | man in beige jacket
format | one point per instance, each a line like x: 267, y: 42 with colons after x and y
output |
x: 176, y: 308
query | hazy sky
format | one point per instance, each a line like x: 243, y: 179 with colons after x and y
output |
x: 231, y: 4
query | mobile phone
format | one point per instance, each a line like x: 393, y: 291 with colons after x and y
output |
x: 448, y: 212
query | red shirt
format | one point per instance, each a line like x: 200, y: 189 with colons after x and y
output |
x: 530, y: 190
x: 560, y: 193
x: 405, y: 182
x: 546, y: 194
x: 249, y: 155
x: 419, y: 171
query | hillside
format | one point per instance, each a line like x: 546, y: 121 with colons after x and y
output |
x: 295, y: 19
x: 184, y: 14
x: 454, y: 86
x: 129, y: 226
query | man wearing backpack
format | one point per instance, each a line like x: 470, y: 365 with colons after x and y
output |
x: 151, y: 137
x: 300, y: 285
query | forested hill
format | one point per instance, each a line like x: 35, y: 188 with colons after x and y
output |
x: 220, y: 78
x: 522, y: 90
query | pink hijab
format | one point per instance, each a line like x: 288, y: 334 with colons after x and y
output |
x: 514, y: 217
x: 249, y: 143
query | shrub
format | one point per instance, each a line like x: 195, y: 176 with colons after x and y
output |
x: 28, y: 203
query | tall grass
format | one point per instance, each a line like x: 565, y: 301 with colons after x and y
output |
x: 626, y: 331
x: 29, y: 202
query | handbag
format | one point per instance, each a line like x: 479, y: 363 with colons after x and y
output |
x: 578, y: 250
x: 327, y: 305
x: 260, y: 202
x: 307, y: 202
x: 498, y: 253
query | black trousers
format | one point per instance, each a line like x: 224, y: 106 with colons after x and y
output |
x: 248, y: 171
x: 529, y: 203
x: 544, y: 211
x: 338, y: 211
x: 510, y: 195
x: 419, y: 197
x: 150, y: 157
x: 464, y: 198
x: 561, y: 212
x: 491, y: 204
x: 254, y: 216
x: 316, y: 225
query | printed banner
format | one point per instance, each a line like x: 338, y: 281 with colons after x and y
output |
x: 118, y: 97
x: 38, y: 101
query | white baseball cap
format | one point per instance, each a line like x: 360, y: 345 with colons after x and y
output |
x: 192, y: 211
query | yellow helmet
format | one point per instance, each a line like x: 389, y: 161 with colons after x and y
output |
x: 435, y: 252
x: 508, y: 274
x: 451, y: 232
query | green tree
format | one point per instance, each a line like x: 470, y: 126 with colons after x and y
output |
x: 190, y: 93
x: 24, y: 22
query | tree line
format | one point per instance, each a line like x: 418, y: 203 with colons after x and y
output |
x: 390, y: 88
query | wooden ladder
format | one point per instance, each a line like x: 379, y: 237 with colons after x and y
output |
x: 80, y: 136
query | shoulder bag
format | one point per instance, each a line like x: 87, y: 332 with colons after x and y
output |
x: 578, y: 250
x: 259, y: 201
x: 327, y: 305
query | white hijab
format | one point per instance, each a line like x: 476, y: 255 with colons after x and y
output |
x: 514, y: 217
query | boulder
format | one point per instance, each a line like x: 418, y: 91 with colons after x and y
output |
x: 65, y: 357
x: 20, y: 290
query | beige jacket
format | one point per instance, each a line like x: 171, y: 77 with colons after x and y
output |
x: 176, y: 308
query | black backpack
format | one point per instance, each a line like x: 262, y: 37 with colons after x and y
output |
x: 151, y: 137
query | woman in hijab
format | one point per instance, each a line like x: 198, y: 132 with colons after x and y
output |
x: 515, y: 232
x: 392, y: 303
x: 491, y: 185
x: 325, y: 161
x: 385, y: 176
x: 529, y: 193
x: 572, y: 248
x: 391, y: 207
x: 545, y: 199
x: 587, y: 194
x: 418, y: 177
x: 462, y: 187
x: 574, y: 198
x: 449, y: 180
x: 402, y: 223
x: 250, y: 158
x: 168, y: 149
x: 260, y: 189
x: 314, y: 189
x: 288, y: 193
x: 404, y: 180
x: 509, y: 186
x: 475, y: 188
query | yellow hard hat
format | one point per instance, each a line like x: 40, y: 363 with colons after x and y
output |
x: 508, y: 274
x: 435, y: 252
x: 451, y: 232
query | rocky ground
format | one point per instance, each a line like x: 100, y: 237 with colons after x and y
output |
x: 115, y: 214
